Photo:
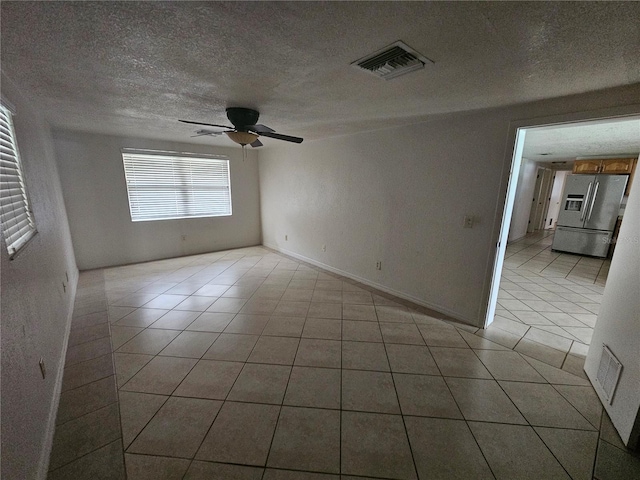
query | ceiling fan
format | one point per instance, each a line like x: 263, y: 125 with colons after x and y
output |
x: 245, y: 130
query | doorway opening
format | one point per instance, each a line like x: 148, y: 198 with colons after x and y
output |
x: 541, y: 197
x: 545, y: 294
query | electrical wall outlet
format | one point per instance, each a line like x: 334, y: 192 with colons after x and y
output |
x: 468, y: 221
x: 324, y: 248
x: 378, y: 265
x: 184, y: 238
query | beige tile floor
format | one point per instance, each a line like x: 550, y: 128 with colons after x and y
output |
x: 548, y: 302
x: 248, y: 365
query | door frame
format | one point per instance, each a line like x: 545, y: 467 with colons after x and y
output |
x: 511, y: 169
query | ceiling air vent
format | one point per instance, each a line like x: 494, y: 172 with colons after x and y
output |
x: 392, y: 61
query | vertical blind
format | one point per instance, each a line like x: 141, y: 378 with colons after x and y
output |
x: 16, y: 217
x: 165, y: 186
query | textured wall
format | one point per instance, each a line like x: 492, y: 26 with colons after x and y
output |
x: 396, y: 196
x: 95, y: 193
x: 399, y: 196
x: 35, y: 309
x: 618, y: 324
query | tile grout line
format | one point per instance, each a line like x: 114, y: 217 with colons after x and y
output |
x: 231, y: 388
x: 284, y: 394
x: 299, y: 341
x: 168, y: 396
x: 595, y: 428
x: 167, y: 399
x: 101, y: 281
x: 404, y: 424
x: 532, y: 426
x: 464, y: 419
x: 223, y: 401
x: 87, y: 454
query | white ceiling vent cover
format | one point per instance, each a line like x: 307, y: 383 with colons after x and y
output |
x: 608, y: 373
x: 392, y: 61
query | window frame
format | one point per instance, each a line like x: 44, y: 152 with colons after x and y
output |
x: 12, y: 160
x: 188, y: 189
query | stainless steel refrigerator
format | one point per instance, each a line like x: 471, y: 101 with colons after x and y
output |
x: 588, y: 213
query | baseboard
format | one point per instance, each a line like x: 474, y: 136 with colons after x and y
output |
x: 513, y: 240
x: 43, y: 464
x: 383, y: 288
x: 85, y: 268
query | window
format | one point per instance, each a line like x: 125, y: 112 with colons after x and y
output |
x: 16, y: 217
x: 168, y: 185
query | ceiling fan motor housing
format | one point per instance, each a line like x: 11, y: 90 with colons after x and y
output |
x: 241, y: 118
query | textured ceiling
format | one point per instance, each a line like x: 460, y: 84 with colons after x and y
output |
x: 619, y: 137
x: 135, y: 67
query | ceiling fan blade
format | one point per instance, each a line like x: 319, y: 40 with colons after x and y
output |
x: 208, y: 124
x: 210, y: 133
x: 257, y: 143
x: 261, y: 129
x: 279, y: 136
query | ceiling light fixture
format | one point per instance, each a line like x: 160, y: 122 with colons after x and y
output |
x: 242, y: 138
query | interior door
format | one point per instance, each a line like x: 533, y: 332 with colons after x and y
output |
x: 533, y: 224
x: 604, y: 204
x: 577, y: 193
x: 545, y: 189
x: 556, y: 199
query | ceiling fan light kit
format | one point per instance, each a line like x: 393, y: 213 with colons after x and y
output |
x: 242, y: 138
x: 245, y: 130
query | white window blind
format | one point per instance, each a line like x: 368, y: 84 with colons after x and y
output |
x: 163, y: 186
x: 16, y: 217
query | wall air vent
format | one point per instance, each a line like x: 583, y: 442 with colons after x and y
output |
x: 392, y: 61
x: 608, y: 373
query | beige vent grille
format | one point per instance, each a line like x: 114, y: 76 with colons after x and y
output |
x: 608, y: 373
x: 392, y: 61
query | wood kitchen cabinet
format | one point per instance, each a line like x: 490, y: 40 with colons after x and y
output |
x: 609, y: 165
x: 587, y: 166
x: 632, y: 175
x: 617, y: 165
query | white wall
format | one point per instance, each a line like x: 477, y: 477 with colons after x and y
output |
x: 36, y: 311
x: 556, y: 198
x: 399, y: 196
x: 95, y: 193
x: 524, y: 197
x: 618, y: 324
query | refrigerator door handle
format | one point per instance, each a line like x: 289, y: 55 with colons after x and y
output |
x: 586, y: 200
x: 593, y: 200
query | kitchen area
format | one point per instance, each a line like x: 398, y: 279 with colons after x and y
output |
x: 571, y: 194
x: 592, y: 206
